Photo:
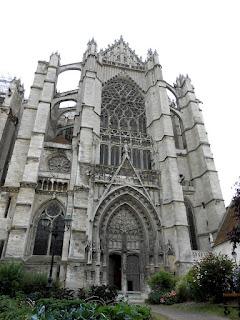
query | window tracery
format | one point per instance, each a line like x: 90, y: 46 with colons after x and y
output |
x: 123, y: 121
x: 43, y: 244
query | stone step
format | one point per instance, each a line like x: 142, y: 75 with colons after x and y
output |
x: 133, y: 297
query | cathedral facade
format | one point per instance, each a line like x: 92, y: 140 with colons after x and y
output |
x: 128, y: 161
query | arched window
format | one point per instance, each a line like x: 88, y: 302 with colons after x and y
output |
x: 123, y: 109
x: 104, y: 154
x: 177, y: 131
x: 44, y: 241
x: 124, y: 101
x: 136, y: 158
x: 115, y: 156
x: 64, y: 135
x: 146, y: 160
x: 191, y: 225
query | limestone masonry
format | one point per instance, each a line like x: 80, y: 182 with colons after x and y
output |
x: 128, y: 159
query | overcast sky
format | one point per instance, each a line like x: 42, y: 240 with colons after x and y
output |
x: 197, y: 37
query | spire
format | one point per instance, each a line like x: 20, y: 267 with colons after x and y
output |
x: 184, y: 81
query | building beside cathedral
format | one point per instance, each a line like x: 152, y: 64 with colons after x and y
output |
x: 126, y: 155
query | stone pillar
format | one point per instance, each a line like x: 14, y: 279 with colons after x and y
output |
x: 159, y: 127
x: 209, y: 206
x: 18, y: 160
x: 23, y: 211
x: 88, y: 137
x: 10, y: 116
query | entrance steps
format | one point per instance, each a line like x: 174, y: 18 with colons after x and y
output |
x: 135, y: 297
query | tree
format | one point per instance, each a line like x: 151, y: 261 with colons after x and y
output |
x: 234, y: 234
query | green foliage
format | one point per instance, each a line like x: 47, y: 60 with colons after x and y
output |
x: 14, y: 309
x: 162, y: 280
x: 47, y: 309
x: 162, y: 284
x: 210, y: 277
x: 184, y: 288
x: 11, y: 275
x: 34, y: 282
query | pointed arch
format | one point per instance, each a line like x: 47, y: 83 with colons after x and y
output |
x: 131, y: 194
x: 179, y: 138
x: 191, y: 224
x: 53, y: 210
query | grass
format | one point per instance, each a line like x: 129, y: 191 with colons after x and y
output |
x: 208, y: 308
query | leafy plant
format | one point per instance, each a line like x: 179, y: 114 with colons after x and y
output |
x: 70, y: 310
x: 14, y: 309
x: 211, y: 276
x: 162, y: 280
x: 11, y: 275
x: 183, y: 289
x: 162, y: 284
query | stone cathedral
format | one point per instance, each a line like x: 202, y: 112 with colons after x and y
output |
x: 125, y: 155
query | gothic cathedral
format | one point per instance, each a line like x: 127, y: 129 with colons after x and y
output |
x: 125, y: 158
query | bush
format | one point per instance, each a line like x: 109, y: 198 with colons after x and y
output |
x: 183, y: 289
x: 14, y: 309
x: 162, y: 280
x: 210, y: 277
x: 11, y: 275
x: 162, y: 284
x: 34, y: 282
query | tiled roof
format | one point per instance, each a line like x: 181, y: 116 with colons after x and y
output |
x: 229, y: 221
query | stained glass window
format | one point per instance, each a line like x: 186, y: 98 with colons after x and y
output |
x: 123, y: 121
x: 44, y: 241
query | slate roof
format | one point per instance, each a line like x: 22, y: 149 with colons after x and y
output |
x: 228, y: 222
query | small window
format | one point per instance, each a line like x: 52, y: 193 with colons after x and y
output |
x: 136, y: 158
x: 146, y: 160
x: 115, y: 156
x: 104, y: 154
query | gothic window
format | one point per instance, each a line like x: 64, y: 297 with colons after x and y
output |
x: 136, y: 158
x: 123, y: 120
x: 104, y: 154
x: 191, y: 226
x: 115, y: 156
x: 44, y: 241
x: 177, y: 131
x: 66, y: 133
x: 146, y: 160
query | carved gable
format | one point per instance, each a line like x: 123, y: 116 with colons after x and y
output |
x: 120, y: 52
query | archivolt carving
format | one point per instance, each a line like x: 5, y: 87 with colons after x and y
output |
x: 124, y: 222
x: 131, y: 196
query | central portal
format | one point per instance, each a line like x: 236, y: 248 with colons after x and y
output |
x: 123, y: 253
x: 124, y: 272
